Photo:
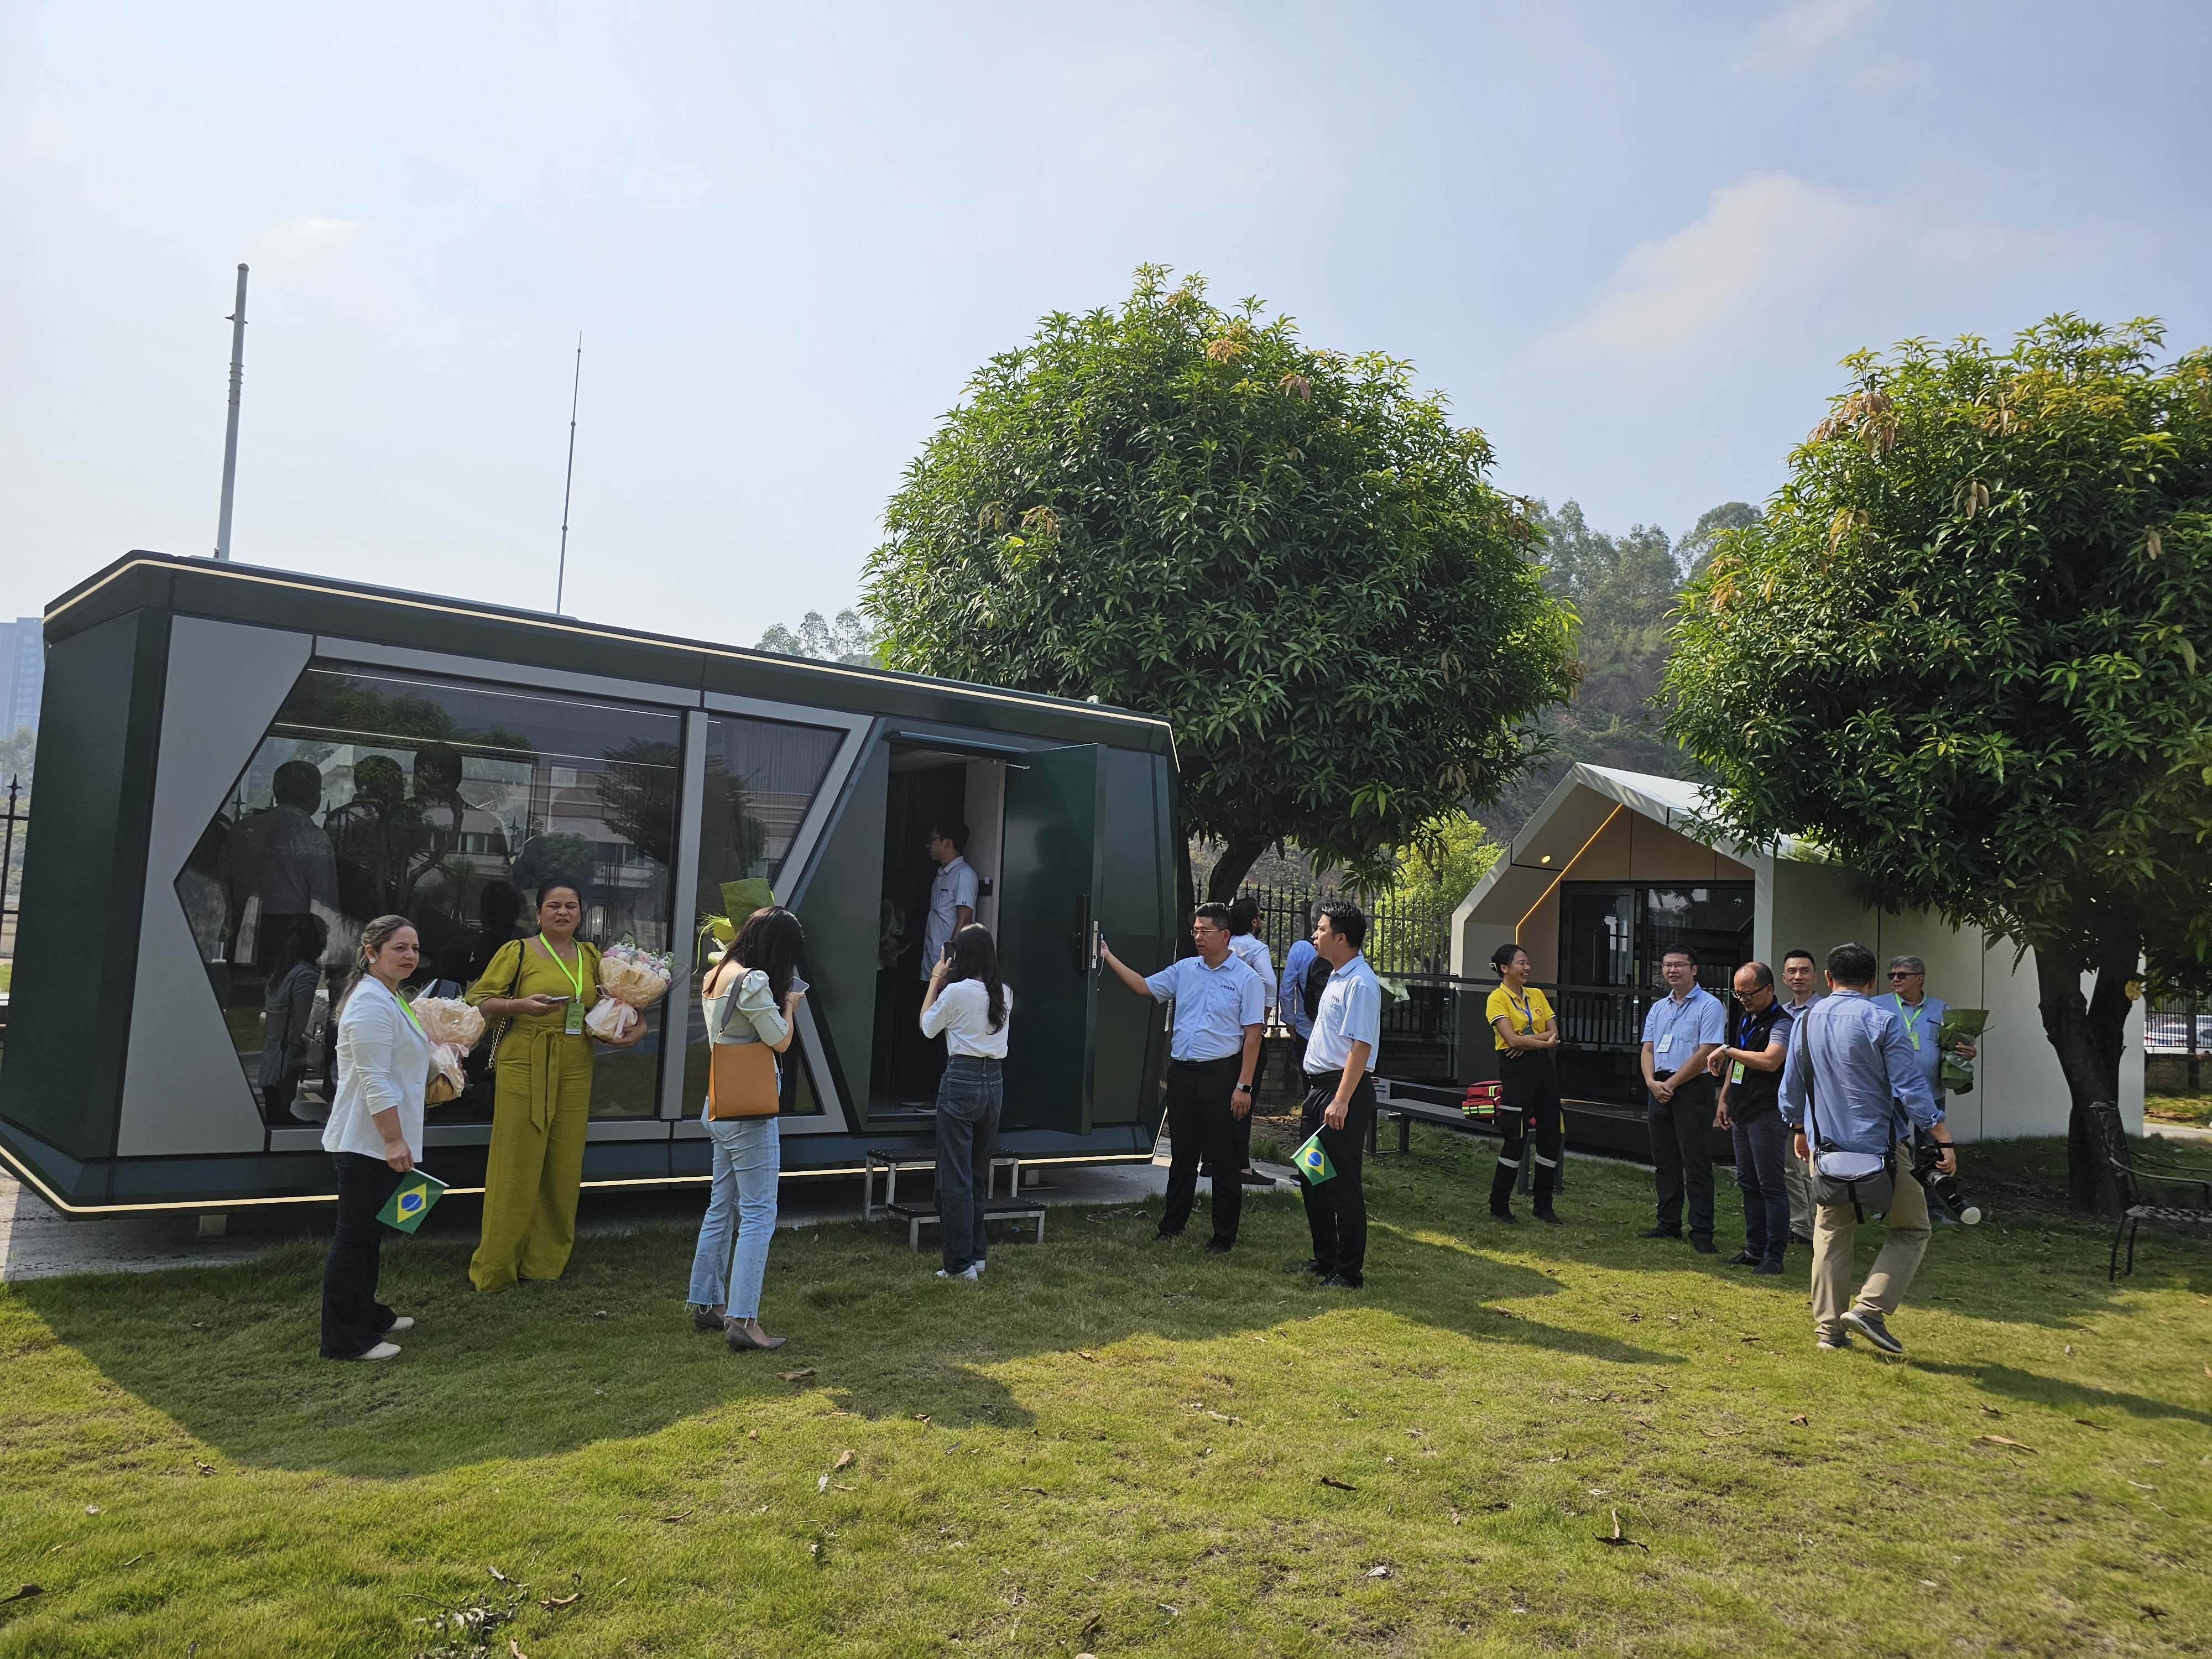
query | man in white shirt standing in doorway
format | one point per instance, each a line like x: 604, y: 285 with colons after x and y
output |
x: 952, y: 894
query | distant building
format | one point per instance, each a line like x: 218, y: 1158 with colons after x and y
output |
x: 23, y: 661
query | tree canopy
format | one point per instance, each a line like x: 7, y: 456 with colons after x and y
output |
x: 1961, y: 651
x: 1289, y: 553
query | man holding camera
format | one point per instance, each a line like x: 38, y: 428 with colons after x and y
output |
x: 1851, y: 1087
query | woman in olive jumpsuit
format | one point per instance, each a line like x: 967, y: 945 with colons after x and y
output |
x: 542, y: 1094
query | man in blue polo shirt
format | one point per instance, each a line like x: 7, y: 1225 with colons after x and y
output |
x: 1679, y: 1034
x: 1340, y: 1104
x: 1220, y: 1010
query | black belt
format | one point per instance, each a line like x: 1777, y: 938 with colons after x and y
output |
x: 1218, y: 1060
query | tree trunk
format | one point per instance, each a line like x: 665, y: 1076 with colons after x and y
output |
x: 2087, y: 1033
x: 1237, y: 859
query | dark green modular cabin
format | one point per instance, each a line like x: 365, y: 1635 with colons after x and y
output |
x: 237, y: 768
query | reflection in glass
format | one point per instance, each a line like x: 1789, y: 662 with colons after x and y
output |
x: 762, y: 777
x: 448, y: 803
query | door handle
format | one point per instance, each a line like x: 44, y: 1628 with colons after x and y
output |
x: 1085, y: 950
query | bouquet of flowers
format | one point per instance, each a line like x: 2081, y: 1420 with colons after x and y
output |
x: 454, y: 1029
x: 630, y: 979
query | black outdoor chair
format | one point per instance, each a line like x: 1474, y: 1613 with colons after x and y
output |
x: 2132, y: 1172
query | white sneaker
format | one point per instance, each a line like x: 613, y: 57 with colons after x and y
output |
x: 973, y: 1271
x: 979, y: 1268
x: 381, y: 1351
x: 404, y: 1322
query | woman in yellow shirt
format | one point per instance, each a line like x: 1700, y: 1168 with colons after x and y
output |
x: 1528, y: 1039
x: 542, y: 1094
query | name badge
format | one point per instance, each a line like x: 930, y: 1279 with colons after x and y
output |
x: 1666, y: 1042
x: 1735, y: 1073
x: 574, y: 1024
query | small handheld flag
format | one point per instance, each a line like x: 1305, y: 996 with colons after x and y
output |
x: 1312, y: 1161
x: 411, y: 1201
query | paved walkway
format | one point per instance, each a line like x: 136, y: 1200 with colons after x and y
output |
x: 38, y: 1242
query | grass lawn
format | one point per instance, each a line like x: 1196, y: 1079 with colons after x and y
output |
x: 1110, y: 1447
x: 2179, y: 1108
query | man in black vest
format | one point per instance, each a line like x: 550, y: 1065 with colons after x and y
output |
x: 1749, y: 1067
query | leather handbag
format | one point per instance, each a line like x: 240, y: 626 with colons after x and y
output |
x: 741, y: 1077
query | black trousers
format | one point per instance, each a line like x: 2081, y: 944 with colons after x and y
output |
x: 1530, y: 1110
x: 354, y: 1321
x: 1336, y: 1209
x: 1202, y: 1126
x: 1682, y: 1153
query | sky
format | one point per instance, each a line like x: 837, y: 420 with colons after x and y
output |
x: 1630, y: 242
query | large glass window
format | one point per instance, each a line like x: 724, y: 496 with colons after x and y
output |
x: 447, y: 802
x: 762, y: 777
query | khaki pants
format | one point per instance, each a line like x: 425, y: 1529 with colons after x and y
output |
x: 1797, y: 1182
x: 1835, y: 1233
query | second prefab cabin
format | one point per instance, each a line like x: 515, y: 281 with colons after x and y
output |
x: 238, y: 767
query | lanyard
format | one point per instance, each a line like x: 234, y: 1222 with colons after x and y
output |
x: 576, y: 978
x: 1912, y: 1020
x: 412, y: 1017
x: 1527, y: 1019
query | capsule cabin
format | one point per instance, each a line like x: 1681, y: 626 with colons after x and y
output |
x: 238, y: 767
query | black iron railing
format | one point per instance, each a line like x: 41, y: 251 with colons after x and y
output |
x: 12, y: 824
x: 2180, y: 1028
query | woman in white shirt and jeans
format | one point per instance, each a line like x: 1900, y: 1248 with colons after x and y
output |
x: 374, y: 1134
x: 967, y: 1004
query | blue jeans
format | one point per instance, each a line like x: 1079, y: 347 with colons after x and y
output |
x: 969, y: 1096
x: 741, y: 1202
x: 1761, y: 1146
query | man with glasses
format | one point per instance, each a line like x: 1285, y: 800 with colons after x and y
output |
x: 1749, y: 1068
x: 1220, y: 1010
x: 1679, y: 1035
x: 1799, y: 970
x: 1922, y: 1016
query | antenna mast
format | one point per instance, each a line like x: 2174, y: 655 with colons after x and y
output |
x: 237, y: 320
x: 560, y: 581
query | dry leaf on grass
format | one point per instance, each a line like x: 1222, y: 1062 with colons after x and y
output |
x: 1378, y: 1572
x: 1507, y: 1313
x: 1799, y: 1421
x: 561, y: 1601
x: 2004, y: 1440
x: 2087, y: 1423
x: 1341, y: 1485
x: 204, y: 1468
x: 1454, y: 1515
x: 1621, y: 1540
x: 678, y: 1518
x: 514, y: 1649
x: 921, y: 1417
x: 844, y: 1461
x: 793, y: 1376
x: 1039, y: 1491
x: 1993, y: 1411
x: 1093, y: 1358
x: 497, y: 1574
x: 752, y: 1434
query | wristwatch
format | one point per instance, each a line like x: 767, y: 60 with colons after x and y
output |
x: 1243, y: 1088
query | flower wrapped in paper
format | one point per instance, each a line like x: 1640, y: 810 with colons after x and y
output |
x: 630, y: 979
x: 449, y: 1020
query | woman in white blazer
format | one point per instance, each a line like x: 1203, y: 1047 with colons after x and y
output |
x: 373, y: 1135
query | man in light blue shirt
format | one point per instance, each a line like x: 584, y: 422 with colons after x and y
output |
x: 951, y: 893
x: 1922, y: 1016
x: 1220, y: 1010
x: 1853, y: 1077
x: 1340, y: 1104
x: 1680, y: 1032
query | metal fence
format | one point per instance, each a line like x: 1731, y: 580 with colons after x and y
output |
x: 1403, y: 938
x: 2180, y: 1029
x: 11, y: 863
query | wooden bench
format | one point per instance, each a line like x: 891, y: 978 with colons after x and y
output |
x: 917, y: 1217
x: 1439, y: 1106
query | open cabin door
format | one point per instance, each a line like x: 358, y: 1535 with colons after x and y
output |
x: 1050, y: 869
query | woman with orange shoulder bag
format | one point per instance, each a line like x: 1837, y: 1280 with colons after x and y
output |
x: 752, y: 997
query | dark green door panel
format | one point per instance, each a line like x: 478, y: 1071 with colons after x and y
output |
x: 1049, y: 869
x: 837, y: 905
x: 1137, y: 913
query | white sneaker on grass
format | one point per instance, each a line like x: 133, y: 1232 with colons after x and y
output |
x: 381, y: 1351
x: 971, y: 1273
x: 404, y: 1322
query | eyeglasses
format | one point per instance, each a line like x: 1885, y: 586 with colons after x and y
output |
x: 1902, y: 973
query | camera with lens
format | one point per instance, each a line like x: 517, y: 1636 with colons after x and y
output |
x: 1927, y: 1153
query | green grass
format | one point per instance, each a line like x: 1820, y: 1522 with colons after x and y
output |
x: 1115, y: 1430
x: 2179, y: 1108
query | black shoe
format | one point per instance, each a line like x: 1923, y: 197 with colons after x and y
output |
x: 1769, y: 1268
x: 1310, y: 1266
x: 1164, y: 1237
x: 1868, y: 1324
x: 1220, y: 1245
x: 1254, y: 1178
x: 1504, y: 1215
x: 1703, y: 1246
x: 1661, y: 1232
x: 1806, y: 1239
x: 1343, y: 1284
x: 1745, y: 1259
x: 1546, y: 1216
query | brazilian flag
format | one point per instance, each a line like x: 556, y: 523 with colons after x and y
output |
x: 411, y: 1201
x: 1313, y: 1163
